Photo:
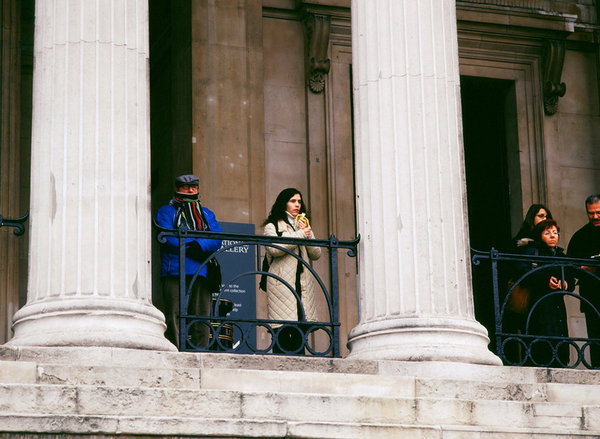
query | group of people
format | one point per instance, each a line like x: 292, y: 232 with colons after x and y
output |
x: 539, y: 236
x: 288, y: 217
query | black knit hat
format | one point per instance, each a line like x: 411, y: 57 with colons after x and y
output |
x: 186, y: 180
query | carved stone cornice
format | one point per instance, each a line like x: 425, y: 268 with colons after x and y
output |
x: 554, y: 57
x: 585, y: 13
x: 317, y: 28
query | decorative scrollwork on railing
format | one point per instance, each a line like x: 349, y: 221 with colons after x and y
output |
x: 528, y: 320
x: 17, y: 223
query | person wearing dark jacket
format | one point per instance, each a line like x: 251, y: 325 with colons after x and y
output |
x: 547, y: 313
x: 585, y: 243
x: 535, y: 214
x: 185, y: 211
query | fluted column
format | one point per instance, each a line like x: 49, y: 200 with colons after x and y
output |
x: 416, y: 300
x: 90, y: 226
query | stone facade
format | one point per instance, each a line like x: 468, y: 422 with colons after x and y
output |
x: 356, y: 104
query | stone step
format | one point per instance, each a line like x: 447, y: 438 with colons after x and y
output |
x: 295, y: 381
x: 47, y: 400
x: 113, y: 391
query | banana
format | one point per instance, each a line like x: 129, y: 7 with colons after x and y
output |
x: 302, y: 216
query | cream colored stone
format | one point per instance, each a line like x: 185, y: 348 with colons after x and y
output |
x: 360, y: 431
x: 582, y: 394
x: 472, y: 389
x: 567, y: 410
x: 89, y: 274
x: 410, y: 189
x: 127, y: 375
x: 22, y: 373
x: 307, y: 382
x: 259, y: 396
x: 591, y: 418
x: 19, y: 399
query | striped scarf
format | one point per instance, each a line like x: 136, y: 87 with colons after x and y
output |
x: 189, y: 215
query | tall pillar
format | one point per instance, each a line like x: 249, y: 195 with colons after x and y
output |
x: 90, y: 225
x: 416, y: 301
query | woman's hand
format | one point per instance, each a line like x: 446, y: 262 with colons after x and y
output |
x: 307, y: 230
x: 556, y: 284
x: 304, y: 226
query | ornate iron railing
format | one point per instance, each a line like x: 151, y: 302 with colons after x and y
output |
x: 17, y: 223
x: 527, y: 312
x: 238, y: 335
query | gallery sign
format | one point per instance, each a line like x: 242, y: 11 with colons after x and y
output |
x: 239, y: 287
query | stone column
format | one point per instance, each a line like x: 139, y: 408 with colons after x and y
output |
x: 416, y: 301
x: 90, y: 226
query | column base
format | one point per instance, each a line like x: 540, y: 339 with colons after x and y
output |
x: 106, y: 322
x: 422, y: 339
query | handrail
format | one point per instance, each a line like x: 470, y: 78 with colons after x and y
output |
x: 238, y: 331
x: 518, y: 340
x: 18, y: 223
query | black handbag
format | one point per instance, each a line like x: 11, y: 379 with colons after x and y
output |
x: 263, y: 277
x: 213, y: 275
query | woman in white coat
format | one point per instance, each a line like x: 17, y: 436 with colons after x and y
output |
x: 288, y: 217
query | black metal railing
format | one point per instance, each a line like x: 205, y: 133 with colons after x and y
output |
x: 239, y: 334
x: 17, y: 223
x: 528, y: 316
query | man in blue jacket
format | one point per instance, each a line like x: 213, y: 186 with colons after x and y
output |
x: 184, y: 211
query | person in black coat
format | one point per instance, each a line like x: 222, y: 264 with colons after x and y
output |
x: 585, y: 243
x: 546, y: 312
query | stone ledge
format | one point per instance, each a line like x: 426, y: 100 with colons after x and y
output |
x: 308, y: 382
x: 119, y: 357
x: 266, y: 406
x: 120, y: 376
x: 166, y: 426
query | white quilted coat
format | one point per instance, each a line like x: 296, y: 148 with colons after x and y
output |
x: 281, y: 302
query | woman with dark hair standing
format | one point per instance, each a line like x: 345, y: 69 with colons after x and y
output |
x: 535, y: 214
x: 289, y: 218
x: 548, y: 316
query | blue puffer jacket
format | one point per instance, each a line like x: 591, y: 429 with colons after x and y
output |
x: 170, y: 250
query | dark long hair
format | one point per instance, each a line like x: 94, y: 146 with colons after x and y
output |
x: 527, y: 227
x: 278, y: 211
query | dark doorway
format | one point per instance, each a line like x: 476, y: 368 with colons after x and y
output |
x: 485, y: 141
x: 489, y: 130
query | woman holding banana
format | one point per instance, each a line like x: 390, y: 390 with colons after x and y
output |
x: 289, y: 218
